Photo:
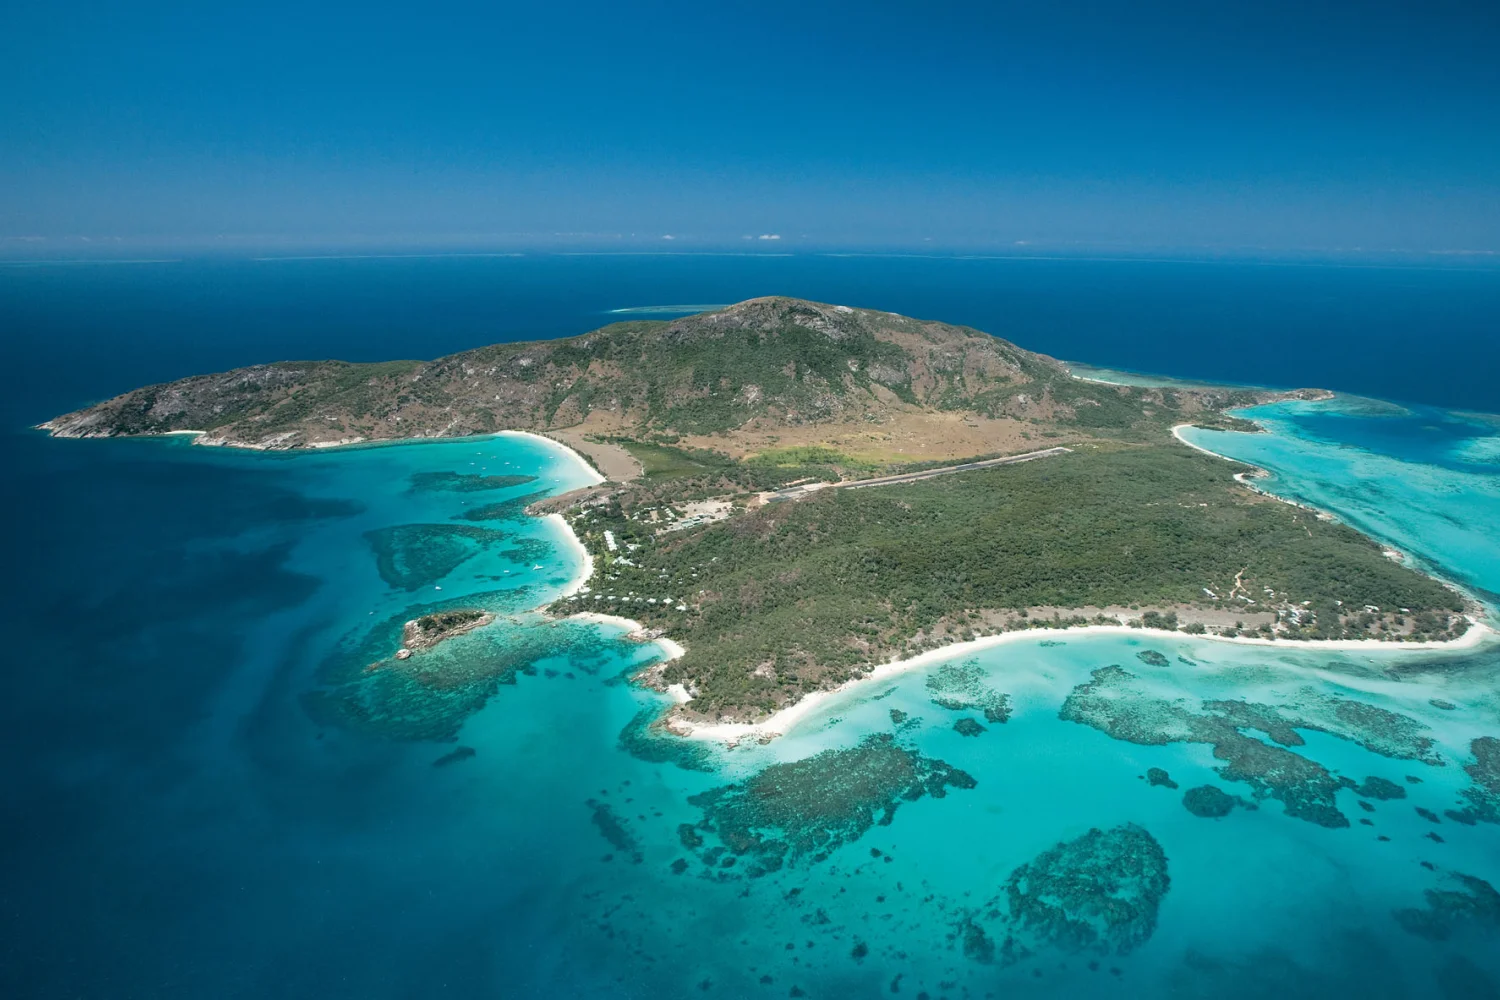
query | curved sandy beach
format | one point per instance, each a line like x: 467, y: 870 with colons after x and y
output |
x: 783, y: 721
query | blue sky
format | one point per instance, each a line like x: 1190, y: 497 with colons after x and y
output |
x: 1284, y: 125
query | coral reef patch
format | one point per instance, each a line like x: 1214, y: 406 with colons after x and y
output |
x: 1466, y: 900
x: 961, y: 687
x: 460, y: 482
x: 410, y: 556
x: 1099, y: 892
x: 801, y: 811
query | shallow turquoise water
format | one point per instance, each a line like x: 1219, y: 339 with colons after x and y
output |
x: 258, y: 811
x: 1426, y: 481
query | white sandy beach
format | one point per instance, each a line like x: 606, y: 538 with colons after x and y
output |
x: 583, y: 463
x: 783, y: 721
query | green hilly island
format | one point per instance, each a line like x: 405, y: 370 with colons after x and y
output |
x: 750, y: 511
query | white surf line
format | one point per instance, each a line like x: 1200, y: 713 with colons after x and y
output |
x: 785, y: 720
x: 586, y: 566
x: 1246, y: 479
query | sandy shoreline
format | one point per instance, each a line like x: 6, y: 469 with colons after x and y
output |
x: 586, y: 572
x: 783, y: 721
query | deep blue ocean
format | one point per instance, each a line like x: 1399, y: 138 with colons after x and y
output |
x: 218, y: 783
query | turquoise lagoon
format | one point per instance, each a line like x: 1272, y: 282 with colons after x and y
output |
x: 260, y: 810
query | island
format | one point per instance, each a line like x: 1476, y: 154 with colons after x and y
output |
x: 800, y: 494
x: 429, y: 630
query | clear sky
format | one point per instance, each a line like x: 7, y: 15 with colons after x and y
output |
x: 1212, y: 122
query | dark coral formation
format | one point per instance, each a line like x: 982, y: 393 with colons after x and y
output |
x: 1099, y: 892
x: 409, y: 556
x: 513, y: 509
x: 968, y: 727
x: 805, y: 809
x: 961, y: 687
x: 1115, y: 702
x: 454, y: 756
x: 613, y: 829
x: 1483, y: 794
x: 1156, y: 776
x: 459, y: 482
x: 1470, y: 901
x: 1152, y: 657
x: 1210, y: 802
x: 1380, y: 789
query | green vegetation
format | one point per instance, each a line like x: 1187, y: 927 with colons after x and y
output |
x: 796, y: 596
x: 778, y: 361
x: 447, y: 621
x: 661, y: 461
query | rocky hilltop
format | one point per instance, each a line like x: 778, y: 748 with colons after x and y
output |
x: 761, y: 365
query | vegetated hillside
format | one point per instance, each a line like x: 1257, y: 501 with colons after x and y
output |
x: 775, y: 361
x: 793, y: 597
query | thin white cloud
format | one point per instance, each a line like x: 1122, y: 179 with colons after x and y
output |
x: 770, y: 236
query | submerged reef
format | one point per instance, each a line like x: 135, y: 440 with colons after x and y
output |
x: 504, y: 510
x: 961, y: 687
x: 454, y: 756
x: 804, y: 810
x: 1121, y: 705
x: 1099, y: 892
x: 1347, y: 964
x: 1380, y: 789
x: 1210, y: 802
x: 1483, y: 794
x: 1468, y: 901
x: 1152, y: 657
x: 613, y: 829
x: 428, y: 696
x: 410, y: 556
x: 461, y: 482
x: 645, y: 738
x: 1157, y: 776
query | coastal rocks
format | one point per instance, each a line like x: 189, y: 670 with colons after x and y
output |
x: 1465, y: 901
x: 429, y: 630
x: 1099, y: 892
x: 961, y: 687
x: 804, y: 810
x: 647, y: 737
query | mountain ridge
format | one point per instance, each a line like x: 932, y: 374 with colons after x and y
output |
x: 763, y: 364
